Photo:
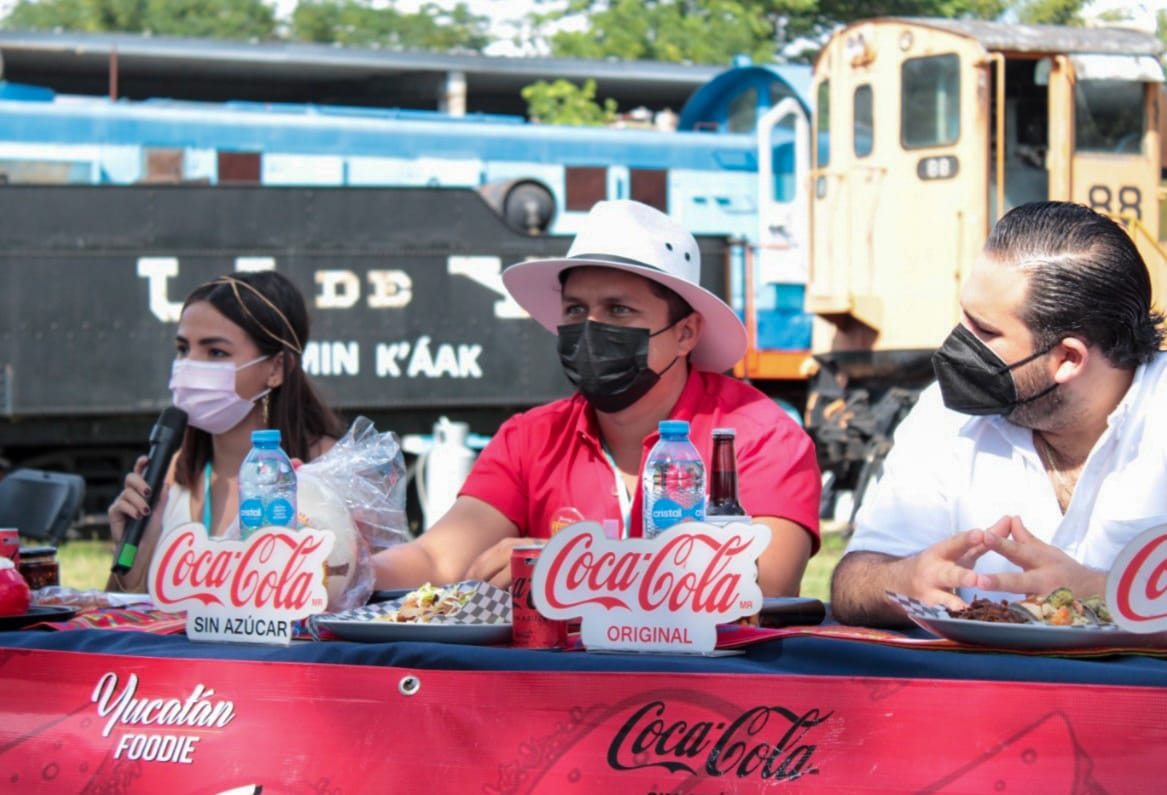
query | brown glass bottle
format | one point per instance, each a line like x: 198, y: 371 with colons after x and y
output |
x: 723, y: 476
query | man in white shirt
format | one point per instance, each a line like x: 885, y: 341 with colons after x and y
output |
x: 1042, y: 448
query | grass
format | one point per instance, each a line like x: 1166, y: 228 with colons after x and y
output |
x: 85, y: 564
x: 816, y: 581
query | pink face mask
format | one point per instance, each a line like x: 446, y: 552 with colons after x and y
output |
x: 206, y: 392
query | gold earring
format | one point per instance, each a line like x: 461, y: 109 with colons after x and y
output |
x: 265, y: 403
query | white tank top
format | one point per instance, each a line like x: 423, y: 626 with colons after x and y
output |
x: 178, y: 508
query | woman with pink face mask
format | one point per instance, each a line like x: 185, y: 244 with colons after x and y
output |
x: 237, y: 368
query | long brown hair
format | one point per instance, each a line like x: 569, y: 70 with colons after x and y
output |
x: 269, y: 308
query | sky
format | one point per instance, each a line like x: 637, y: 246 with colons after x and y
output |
x: 1142, y: 13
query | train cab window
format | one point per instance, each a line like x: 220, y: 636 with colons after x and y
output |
x: 823, y: 124
x: 1109, y: 116
x: 742, y: 114
x: 240, y: 168
x: 863, y: 121
x: 649, y: 186
x: 930, y: 93
x: 163, y: 165
x: 583, y: 187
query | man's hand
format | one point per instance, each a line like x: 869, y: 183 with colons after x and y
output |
x: 494, y: 565
x: 862, y: 579
x: 1044, y: 567
x: 933, y: 575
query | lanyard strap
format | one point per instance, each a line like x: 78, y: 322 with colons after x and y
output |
x: 207, y: 497
x: 622, y: 494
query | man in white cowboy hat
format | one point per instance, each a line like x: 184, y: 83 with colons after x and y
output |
x: 641, y: 341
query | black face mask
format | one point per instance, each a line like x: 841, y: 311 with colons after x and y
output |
x: 974, y: 380
x: 608, y: 364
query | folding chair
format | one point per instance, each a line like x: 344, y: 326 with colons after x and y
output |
x: 41, y: 505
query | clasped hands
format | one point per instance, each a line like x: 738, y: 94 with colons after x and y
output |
x: 935, y: 573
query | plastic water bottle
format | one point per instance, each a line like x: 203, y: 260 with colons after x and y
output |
x: 674, y: 480
x: 267, y: 485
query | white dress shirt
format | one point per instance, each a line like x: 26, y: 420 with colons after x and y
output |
x: 948, y: 472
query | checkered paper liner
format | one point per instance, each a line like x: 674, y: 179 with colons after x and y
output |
x: 486, y: 605
x: 914, y: 607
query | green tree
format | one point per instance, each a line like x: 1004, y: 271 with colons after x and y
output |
x: 563, y: 102
x: 705, y: 31
x: 824, y: 15
x: 709, y: 31
x: 1051, y: 12
x: 357, y: 22
x: 224, y: 19
x: 354, y: 22
x: 714, y: 31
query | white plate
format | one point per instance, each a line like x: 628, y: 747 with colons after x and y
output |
x: 1026, y: 637
x: 385, y: 631
x: 1038, y: 637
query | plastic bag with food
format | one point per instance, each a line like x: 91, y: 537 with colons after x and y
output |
x: 356, y: 491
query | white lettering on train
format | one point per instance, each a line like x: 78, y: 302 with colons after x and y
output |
x: 157, y: 271
x: 390, y: 289
x: 420, y: 358
x: 332, y: 358
x: 339, y: 288
x: 487, y: 271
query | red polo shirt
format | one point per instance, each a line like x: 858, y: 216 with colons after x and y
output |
x: 550, y: 459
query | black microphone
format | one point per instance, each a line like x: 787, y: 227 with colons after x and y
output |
x: 165, y: 439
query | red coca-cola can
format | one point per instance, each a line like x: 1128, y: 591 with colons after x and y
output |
x: 10, y: 544
x: 530, y: 628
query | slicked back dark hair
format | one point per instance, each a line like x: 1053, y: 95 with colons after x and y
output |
x: 1086, y: 279
x: 270, y: 308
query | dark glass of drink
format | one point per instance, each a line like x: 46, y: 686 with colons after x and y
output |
x: 723, y: 499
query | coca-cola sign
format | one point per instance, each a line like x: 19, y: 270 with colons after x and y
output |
x: 768, y: 742
x: 668, y: 593
x: 241, y: 591
x: 1136, y: 588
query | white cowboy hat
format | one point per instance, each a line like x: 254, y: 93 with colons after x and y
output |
x: 630, y: 236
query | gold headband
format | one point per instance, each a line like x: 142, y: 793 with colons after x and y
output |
x: 231, y: 280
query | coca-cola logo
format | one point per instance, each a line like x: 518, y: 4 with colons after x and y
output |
x: 771, y: 743
x: 521, y: 592
x: 666, y: 592
x: 1136, y: 589
x: 241, y: 590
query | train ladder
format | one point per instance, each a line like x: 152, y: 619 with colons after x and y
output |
x: 1134, y: 227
